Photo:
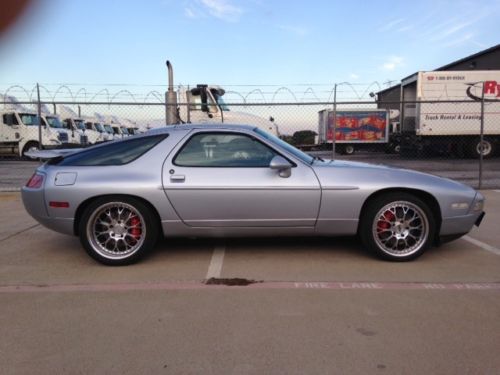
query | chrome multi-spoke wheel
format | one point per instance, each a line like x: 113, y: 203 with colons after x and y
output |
x: 117, y: 231
x: 397, y: 226
x: 400, y: 228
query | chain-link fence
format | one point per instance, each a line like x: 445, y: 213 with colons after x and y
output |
x: 455, y: 139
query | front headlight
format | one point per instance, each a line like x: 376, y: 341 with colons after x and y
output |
x: 478, y: 204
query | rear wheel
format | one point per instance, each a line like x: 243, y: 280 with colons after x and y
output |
x: 487, y: 148
x: 397, y: 227
x: 118, y: 230
x: 347, y: 150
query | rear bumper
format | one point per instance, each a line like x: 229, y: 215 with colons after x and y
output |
x: 34, y: 202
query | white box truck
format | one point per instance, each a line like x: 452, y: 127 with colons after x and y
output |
x: 441, y: 111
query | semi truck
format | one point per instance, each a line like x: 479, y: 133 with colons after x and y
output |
x: 358, y: 129
x: 19, y: 132
x: 205, y: 104
x: 441, y: 111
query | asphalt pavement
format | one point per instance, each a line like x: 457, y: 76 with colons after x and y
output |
x: 314, y: 306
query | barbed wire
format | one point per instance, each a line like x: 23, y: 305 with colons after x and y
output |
x: 298, y: 93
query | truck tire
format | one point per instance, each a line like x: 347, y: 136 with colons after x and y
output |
x: 27, y: 147
x: 488, y: 148
x: 346, y: 149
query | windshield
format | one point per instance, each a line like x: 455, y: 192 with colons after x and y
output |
x: 108, y: 129
x: 286, y: 146
x: 54, y: 122
x: 222, y: 104
x: 124, y: 130
x: 79, y: 124
x: 29, y: 119
x: 99, y: 127
x: 116, y: 130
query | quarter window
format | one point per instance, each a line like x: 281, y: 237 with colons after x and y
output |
x: 114, y: 153
x: 224, y: 150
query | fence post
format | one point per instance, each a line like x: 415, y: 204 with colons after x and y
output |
x: 334, y: 129
x: 481, y: 139
x: 39, y: 116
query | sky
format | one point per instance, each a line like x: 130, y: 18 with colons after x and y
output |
x: 240, y: 44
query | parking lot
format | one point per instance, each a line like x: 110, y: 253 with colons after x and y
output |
x: 317, y: 306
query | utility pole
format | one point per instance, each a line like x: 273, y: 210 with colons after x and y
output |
x: 334, y: 128
x: 39, y: 116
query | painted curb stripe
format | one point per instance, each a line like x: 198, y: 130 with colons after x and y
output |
x: 215, y: 266
x: 482, y: 245
x: 199, y: 285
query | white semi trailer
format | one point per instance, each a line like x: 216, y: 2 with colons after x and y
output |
x: 441, y: 111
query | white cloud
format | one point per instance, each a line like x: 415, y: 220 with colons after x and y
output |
x: 353, y: 76
x: 222, y: 9
x: 190, y: 13
x: 392, y: 63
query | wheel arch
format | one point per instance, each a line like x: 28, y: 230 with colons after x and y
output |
x: 428, y: 198
x: 81, y: 208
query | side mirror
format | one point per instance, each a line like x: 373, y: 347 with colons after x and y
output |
x: 282, y: 165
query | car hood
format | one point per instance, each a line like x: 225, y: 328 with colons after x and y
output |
x: 382, y: 176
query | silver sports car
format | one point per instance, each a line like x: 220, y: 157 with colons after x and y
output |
x: 230, y: 180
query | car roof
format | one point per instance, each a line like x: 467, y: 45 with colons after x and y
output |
x: 214, y: 126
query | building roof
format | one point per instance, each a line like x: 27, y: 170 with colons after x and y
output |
x: 473, y: 56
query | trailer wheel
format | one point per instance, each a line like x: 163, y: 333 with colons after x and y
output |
x: 487, y: 147
x: 348, y: 150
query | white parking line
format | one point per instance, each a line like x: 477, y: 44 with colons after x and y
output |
x: 498, y: 191
x: 482, y: 245
x: 215, y: 267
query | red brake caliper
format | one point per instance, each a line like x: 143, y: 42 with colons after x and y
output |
x: 382, y: 224
x: 136, y: 230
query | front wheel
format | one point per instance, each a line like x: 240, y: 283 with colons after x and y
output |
x: 118, y: 230
x: 397, y: 227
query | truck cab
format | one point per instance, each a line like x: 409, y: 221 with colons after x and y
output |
x: 19, y: 132
x: 54, y: 122
x: 98, y: 128
x: 77, y: 128
x: 206, y: 105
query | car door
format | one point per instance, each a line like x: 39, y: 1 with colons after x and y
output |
x: 222, y: 178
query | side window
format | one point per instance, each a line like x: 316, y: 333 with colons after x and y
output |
x: 10, y: 117
x: 224, y: 150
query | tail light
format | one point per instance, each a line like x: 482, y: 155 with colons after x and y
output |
x: 36, y: 181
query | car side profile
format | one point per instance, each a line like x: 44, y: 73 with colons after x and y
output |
x: 236, y: 180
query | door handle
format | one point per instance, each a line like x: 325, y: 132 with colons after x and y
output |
x: 177, y: 178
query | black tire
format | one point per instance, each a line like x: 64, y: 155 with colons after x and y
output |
x: 349, y: 150
x: 124, y: 237
x: 489, y: 148
x: 392, y: 238
x: 27, y: 147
